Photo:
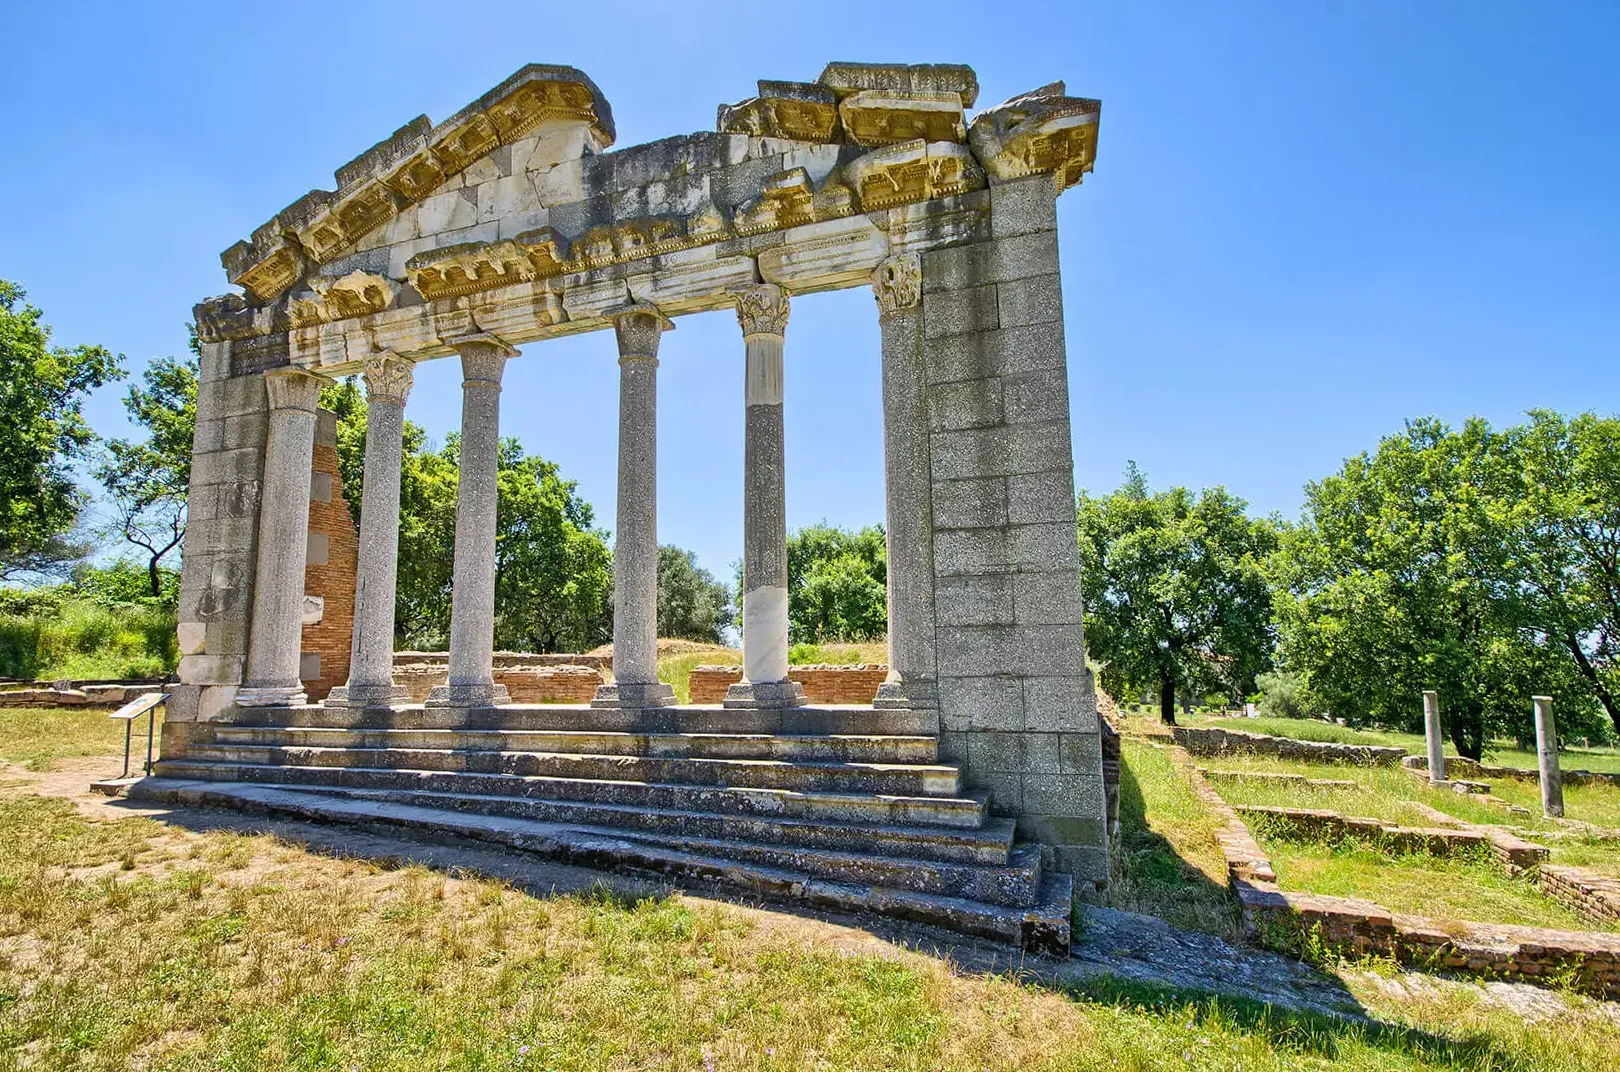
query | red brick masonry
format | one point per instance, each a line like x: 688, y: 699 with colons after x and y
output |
x: 853, y: 684
x: 528, y: 678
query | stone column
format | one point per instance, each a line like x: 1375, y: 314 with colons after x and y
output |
x: 274, y: 643
x: 763, y: 313
x: 1552, y: 781
x: 635, y: 545
x: 908, y: 497
x: 472, y: 597
x: 1431, y: 728
x: 371, y: 661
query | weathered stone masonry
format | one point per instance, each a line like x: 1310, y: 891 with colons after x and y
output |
x: 510, y: 223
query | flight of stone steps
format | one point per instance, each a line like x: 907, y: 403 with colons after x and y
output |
x: 842, y: 807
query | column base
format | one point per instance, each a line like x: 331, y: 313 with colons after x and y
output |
x: 632, y: 695
x: 478, y: 695
x: 767, y: 694
x: 368, y: 696
x: 906, y: 695
x: 283, y: 696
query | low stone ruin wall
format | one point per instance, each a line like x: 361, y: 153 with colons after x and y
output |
x: 1468, y: 768
x: 527, y: 682
x: 1295, y: 781
x: 1214, y: 741
x: 1587, y: 892
x: 1514, y: 853
x: 1294, y: 922
x: 88, y: 694
x: 856, y: 683
x: 509, y: 659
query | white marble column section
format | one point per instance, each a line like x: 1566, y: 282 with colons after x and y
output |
x: 472, y: 596
x: 1552, y: 779
x: 762, y: 311
x: 275, y: 638
x: 908, y: 494
x: 371, y: 659
x: 635, y: 544
x: 1431, y: 730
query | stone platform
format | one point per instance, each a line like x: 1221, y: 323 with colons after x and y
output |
x: 843, y: 807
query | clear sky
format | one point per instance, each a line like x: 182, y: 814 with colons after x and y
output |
x: 1308, y: 222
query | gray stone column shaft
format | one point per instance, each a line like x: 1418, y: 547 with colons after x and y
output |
x: 275, y: 640
x: 1431, y: 729
x: 763, y: 313
x: 1552, y: 780
x: 635, y: 544
x: 908, y: 494
x: 472, y: 597
x: 371, y: 661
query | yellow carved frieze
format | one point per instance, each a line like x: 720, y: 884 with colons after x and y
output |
x: 356, y: 294
x: 274, y: 273
x: 786, y: 200
x: 547, y: 250
x: 1043, y: 131
x: 533, y: 103
x: 882, y: 117
x: 469, y: 267
x: 913, y: 171
x: 472, y: 138
x: 417, y: 177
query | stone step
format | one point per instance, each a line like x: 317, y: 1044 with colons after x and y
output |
x: 913, y: 779
x: 818, y: 719
x: 795, y: 748
x: 989, y: 844
x: 1043, y: 928
x: 814, y: 804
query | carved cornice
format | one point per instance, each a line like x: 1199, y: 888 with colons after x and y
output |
x: 762, y: 309
x: 897, y: 283
x: 913, y: 171
x: 797, y: 111
x: 388, y: 376
x: 340, y: 297
x: 1040, y: 131
x: 877, y: 117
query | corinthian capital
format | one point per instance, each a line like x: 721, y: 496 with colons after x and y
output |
x: 762, y: 309
x: 388, y: 376
x: 637, y: 328
x: 897, y: 283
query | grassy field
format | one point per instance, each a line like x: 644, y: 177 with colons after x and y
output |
x: 129, y: 945
x: 38, y: 736
x: 676, y: 659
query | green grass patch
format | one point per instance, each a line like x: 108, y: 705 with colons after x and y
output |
x: 676, y: 670
x: 38, y: 736
x: 85, y: 640
x: 122, y: 946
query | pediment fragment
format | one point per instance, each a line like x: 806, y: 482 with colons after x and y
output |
x: 798, y: 111
x: 845, y: 79
x: 1040, y: 131
x: 874, y: 117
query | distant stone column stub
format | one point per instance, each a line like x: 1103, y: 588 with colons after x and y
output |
x: 897, y: 283
x: 762, y: 309
x: 637, y: 329
x: 389, y: 376
x: 293, y: 388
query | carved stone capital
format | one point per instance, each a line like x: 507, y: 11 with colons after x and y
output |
x: 762, y: 309
x: 897, y: 283
x: 293, y: 388
x: 389, y: 376
x: 637, y: 328
x: 483, y: 358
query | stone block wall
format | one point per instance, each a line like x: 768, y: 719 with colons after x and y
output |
x: 1016, y: 704
x: 823, y: 684
x: 1215, y: 741
x: 329, y: 573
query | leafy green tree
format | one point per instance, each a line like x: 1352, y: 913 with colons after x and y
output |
x: 1402, y: 577
x: 147, y: 481
x: 837, y: 584
x: 691, y: 603
x: 42, y: 432
x: 1176, y: 595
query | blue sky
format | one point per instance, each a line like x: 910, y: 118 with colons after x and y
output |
x: 1308, y: 221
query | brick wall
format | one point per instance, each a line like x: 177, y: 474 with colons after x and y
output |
x: 527, y: 682
x: 1587, y: 892
x: 852, y: 684
x: 333, y: 557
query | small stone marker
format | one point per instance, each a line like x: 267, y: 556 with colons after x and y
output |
x: 1431, y: 727
x: 1552, y: 783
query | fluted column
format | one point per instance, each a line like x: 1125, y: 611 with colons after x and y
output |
x: 763, y: 313
x: 908, y: 502
x: 371, y: 661
x: 635, y: 544
x: 472, y: 597
x: 275, y: 639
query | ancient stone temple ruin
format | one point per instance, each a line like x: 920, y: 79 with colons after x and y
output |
x: 970, y: 793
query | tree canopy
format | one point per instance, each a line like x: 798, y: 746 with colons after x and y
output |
x: 42, y: 433
x: 1176, y: 595
x: 691, y: 603
x: 837, y: 584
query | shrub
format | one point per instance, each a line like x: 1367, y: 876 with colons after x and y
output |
x: 83, y: 639
x: 1286, y: 694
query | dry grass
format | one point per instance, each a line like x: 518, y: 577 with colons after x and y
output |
x: 37, y: 736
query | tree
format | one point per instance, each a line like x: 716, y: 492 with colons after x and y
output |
x: 1176, y: 596
x: 147, y: 482
x: 691, y: 603
x: 837, y: 584
x: 1402, y: 576
x: 42, y: 432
